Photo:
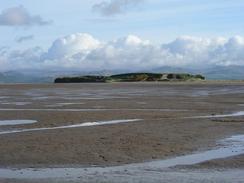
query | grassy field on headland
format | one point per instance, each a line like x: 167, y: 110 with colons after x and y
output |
x: 131, y: 77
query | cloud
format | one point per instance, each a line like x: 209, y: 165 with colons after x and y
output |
x: 19, y: 16
x: 83, y: 52
x: 24, y: 38
x: 202, y: 51
x: 114, y: 7
x: 22, y: 59
x: 71, y: 45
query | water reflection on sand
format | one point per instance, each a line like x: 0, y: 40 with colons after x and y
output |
x: 150, y: 171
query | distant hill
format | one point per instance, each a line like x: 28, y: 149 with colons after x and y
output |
x: 130, y: 77
x: 225, y: 73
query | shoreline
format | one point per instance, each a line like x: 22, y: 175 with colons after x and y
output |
x: 207, y: 81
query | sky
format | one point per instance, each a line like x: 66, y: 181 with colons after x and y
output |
x: 112, y: 34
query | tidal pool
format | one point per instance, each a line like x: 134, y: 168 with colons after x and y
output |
x: 16, y: 122
x: 235, y: 114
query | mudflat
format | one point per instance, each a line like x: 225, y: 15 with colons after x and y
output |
x: 167, y: 120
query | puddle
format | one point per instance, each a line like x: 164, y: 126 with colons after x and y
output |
x: 201, y: 93
x: 4, y: 97
x: 81, y: 110
x: 217, y: 91
x: 104, y: 123
x: 229, y: 147
x: 16, y: 103
x: 236, y: 114
x: 56, y: 110
x: 64, y: 104
x: 42, y: 98
x: 88, y: 124
x: 94, y: 98
x: 84, y: 98
x: 16, y: 122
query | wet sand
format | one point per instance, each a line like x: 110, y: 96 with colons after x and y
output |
x: 171, y: 113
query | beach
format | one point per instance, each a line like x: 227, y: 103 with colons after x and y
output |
x: 89, y: 127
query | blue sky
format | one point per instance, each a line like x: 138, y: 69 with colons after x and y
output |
x: 157, y: 20
x: 160, y: 21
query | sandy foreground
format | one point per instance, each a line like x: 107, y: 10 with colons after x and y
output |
x: 164, y: 120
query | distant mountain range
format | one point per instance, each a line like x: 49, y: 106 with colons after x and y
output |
x: 39, y: 76
x: 21, y: 77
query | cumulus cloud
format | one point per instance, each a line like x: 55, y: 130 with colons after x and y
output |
x: 114, y: 7
x: 71, y: 45
x: 19, y: 16
x: 85, y: 53
x: 24, y: 38
x: 203, y: 51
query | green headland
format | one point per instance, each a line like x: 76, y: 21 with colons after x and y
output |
x: 131, y: 77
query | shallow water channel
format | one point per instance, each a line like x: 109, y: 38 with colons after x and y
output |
x: 226, y: 148
x: 16, y: 122
x: 88, y: 124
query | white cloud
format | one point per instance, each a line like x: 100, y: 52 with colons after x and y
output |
x: 85, y: 53
x: 19, y: 16
x: 114, y: 7
x: 71, y: 45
